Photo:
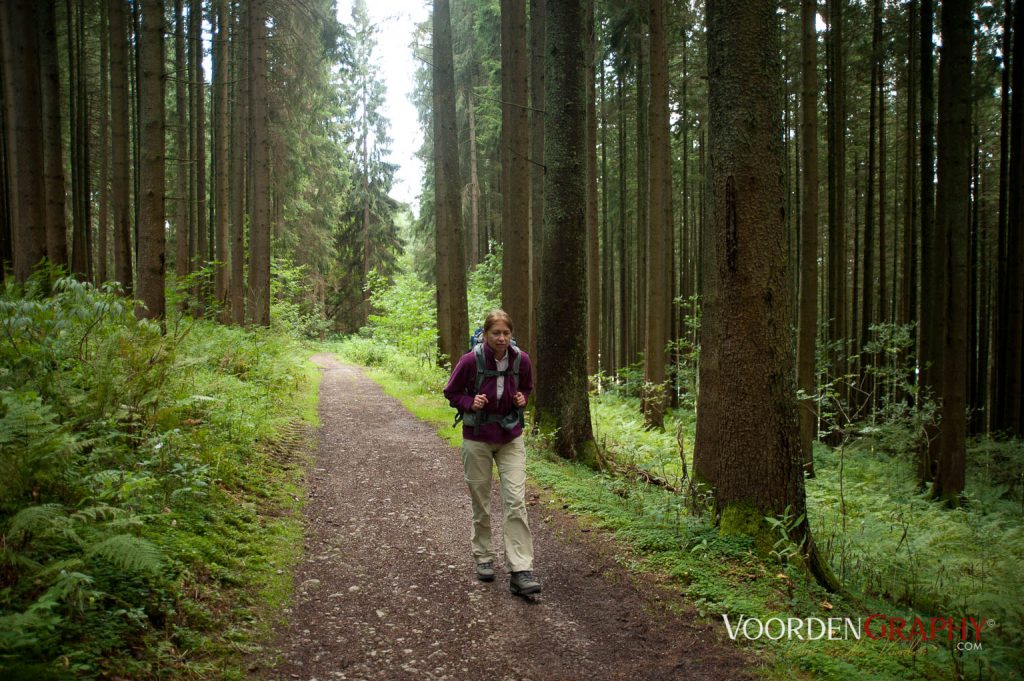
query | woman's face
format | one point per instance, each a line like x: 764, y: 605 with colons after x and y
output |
x: 499, y: 337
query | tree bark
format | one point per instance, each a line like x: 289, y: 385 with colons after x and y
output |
x: 259, y: 221
x: 1010, y: 377
x: 593, y: 246
x: 932, y: 264
x: 182, y: 165
x: 809, y: 232
x: 53, y: 163
x: 838, y: 329
x: 151, y: 166
x: 748, y: 439
x: 23, y: 101
x: 659, y: 224
x: 239, y: 165
x: 952, y: 210
x: 451, y: 271
x: 220, y: 160
x: 538, y: 30
x: 563, y: 404
x: 198, y: 199
x: 103, y: 221
x: 516, y: 280
x: 119, y: 148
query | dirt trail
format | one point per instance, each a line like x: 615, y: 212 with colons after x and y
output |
x: 386, y: 587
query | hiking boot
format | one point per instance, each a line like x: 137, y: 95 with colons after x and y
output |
x: 485, y: 571
x: 522, y: 583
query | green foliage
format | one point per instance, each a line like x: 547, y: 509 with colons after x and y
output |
x: 405, y: 314
x: 294, y: 310
x: 483, y: 287
x: 135, y: 465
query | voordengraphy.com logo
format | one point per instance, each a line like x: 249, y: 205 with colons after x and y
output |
x: 966, y: 631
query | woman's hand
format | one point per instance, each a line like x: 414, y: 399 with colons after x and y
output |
x: 519, y: 400
x: 479, y: 401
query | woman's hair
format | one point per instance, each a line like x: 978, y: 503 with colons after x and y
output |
x: 497, y: 316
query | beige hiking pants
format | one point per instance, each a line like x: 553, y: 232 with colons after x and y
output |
x: 477, y: 459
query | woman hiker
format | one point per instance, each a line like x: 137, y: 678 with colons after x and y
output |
x: 491, y: 404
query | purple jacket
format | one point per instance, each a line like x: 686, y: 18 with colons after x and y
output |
x: 461, y: 385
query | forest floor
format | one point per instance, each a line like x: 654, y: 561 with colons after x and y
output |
x: 386, y: 587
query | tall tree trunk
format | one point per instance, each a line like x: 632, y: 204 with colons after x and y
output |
x: 932, y: 267
x: 593, y: 247
x: 182, y: 266
x: 809, y: 231
x: 659, y: 285
x: 239, y: 165
x: 952, y: 210
x: 643, y: 182
x: 838, y: 330
x: 868, y: 285
x: 53, y: 162
x: 23, y: 114
x: 748, y: 438
x: 259, y: 226
x: 103, y: 223
x: 151, y: 166
x: 1008, y: 412
x: 516, y: 281
x: 538, y: 31
x: 119, y: 150
x: 220, y: 143
x: 563, y: 404
x: 624, y: 304
x: 451, y: 274
x: 199, y: 146
x: 907, y: 295
x: 1002, y: 301
x: 608, y: 355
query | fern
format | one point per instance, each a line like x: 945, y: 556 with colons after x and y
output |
x: 37, y: 519
x: 128, y: 552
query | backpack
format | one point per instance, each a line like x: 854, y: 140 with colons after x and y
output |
x: 479, y: 418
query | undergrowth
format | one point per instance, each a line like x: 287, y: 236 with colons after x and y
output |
x: 151, y: 483
x: 899, y: 554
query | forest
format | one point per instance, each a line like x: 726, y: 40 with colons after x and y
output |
x: 767, y: 257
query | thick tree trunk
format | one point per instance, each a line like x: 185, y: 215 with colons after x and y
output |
x: 538, y: 30
x: 838, y: 330
x: 932, y: 264
x: 239, y: 174
x: 202, y: 243
x: 182, y: 165
x: 593, y: 246
x: 119, y: 141
x: 53, y: 163
x: 659, y: 285
x: 1008, y: 413
x: 24, y: 119
x: 954, y: 178
x: 259, y: 226
x: 220, y: 160
x: 151, y: 166
x: 808, y: 327
x: 451, y: 272
x: 748, y: 438
x: 516, y: 281
x: 563, y: 405
x: 103, y: 223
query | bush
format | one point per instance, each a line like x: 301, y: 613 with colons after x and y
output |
x: 125, y: 454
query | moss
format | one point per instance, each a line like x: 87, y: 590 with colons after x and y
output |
x: 745, y: 519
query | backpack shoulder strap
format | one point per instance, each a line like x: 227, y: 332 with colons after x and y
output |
x: 478, y: 352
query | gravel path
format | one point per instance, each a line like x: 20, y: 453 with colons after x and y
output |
x: 386, y: 588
